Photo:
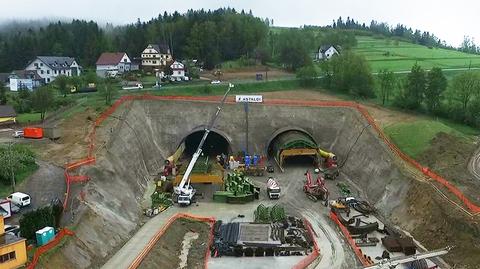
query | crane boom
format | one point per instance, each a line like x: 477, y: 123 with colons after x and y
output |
x: 392, y: 263
x: 198, y: 152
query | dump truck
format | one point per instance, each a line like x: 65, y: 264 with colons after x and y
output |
x: 273, y: 189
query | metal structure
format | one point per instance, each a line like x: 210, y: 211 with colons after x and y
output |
x: 273, y: 189
x: 315, y: 190
x: 394, y: 262
x: 185, y: 191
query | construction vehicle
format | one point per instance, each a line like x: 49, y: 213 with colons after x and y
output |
x: 315, y: 190
x: 185, y: 191
x: 273, y: 189
x: 415, y: 261
x: 329, y: 166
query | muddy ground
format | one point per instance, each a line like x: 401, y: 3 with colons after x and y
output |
x: 165, y: 253
x: 448, y: 155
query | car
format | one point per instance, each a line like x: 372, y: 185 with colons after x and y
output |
x: 17, y: 134
x: 215, y: 82
x: 19, y: 198
x: 12, y: 229
x: 14, y: 208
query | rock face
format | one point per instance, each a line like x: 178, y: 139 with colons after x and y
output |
x: 133, y: 143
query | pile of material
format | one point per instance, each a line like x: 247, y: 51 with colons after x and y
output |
x: 265, y: 214
x: 237, y: 189
x: 399, y: 244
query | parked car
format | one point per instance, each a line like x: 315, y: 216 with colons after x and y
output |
x: 12, y: 229
x: 215, y: 82
x: 19, y: 198
x: 18, y: 134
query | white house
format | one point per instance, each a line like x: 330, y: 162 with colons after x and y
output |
x: 326, y: 52
x: 155, y: 57
x: 25, y: 79
x: 50, y: 67
x: 178, y: 71
x: 113, y: 63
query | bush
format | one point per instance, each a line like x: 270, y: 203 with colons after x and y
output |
x: 35, y: 220
x: 307, y: 76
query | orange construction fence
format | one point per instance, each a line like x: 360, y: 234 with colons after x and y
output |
x: 138, y: 260
x: 365, y: 260
x: 62, y: 233
x: 304, y: 263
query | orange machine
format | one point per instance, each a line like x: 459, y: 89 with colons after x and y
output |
x: 33, y: 132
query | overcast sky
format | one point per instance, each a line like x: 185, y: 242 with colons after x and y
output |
x: 449, y: 20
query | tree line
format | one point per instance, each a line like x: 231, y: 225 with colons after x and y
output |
x: 405, y: 33
x: 209, y: 36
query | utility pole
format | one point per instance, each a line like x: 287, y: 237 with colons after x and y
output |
x: 246, y: 127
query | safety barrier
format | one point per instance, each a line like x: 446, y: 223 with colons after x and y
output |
x: 304, y: 263
x: 361, y: 257
x: 138, y: 260
x: 39, y: 251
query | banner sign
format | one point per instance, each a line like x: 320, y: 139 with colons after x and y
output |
x: 249, y: 98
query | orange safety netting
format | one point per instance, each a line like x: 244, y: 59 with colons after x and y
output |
x: 62, y: 233
x: 138, y: 260
x: 316, y: 250
x: 365, y: 260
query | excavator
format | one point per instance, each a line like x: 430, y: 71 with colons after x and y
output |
x: 185, y: 191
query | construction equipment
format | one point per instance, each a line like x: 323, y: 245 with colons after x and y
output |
x: 329, y: 166
x: 273, y: 189
x: 315, y: 190
x: 185, y: 191
x: 237, y: 189
x: 412, y: 259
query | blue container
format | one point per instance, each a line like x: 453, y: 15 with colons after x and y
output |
x: 44, y: 235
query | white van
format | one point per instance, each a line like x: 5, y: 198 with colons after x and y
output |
x: 19, y: 198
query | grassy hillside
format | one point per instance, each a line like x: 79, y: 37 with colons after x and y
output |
x: 401, y: 56
x: 414, y: 137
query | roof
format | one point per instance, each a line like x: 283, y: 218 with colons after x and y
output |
x: 26, y: 74
x: 324, y: 48
x: 8, y: 239
x: 161, y: 48
x: 20, y: 194
x: 57, y: 62
x: 110, y: 58
x: 7, y: 111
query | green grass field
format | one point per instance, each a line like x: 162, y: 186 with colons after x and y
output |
x: 401, y: 56
x: 28, y: 117
x: 413, y: 138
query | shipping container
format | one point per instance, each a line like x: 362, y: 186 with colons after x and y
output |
x: 32, y: 132
x: 52, y: 132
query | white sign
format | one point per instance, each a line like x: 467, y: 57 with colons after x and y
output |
x: 249, y: 99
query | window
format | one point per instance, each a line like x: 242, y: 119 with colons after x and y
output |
x: 48, y: 80
x: 25, y: 198
x: 35, y: 64
x: 48, y: 72
x: 154, y: 62
x: 41, y: 64
x: 7, y: 257
x: 56, y: 72
x: 41, y: 72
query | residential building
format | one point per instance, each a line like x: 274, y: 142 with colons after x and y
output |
x: 178, y: 71
x: 156, y: 57
x: 326, y: 52
x: 13, y: 249
x: 50, y: 67
x: 136, y: 63
x: 7, y: 115
x: 113, y: 63
x: 25, y: 79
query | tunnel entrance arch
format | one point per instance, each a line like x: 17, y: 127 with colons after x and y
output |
x: 217, y: 142
x: 292, y: 145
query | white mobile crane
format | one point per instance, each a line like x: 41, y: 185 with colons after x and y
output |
x: 394, y: 262
x: 185, y: 191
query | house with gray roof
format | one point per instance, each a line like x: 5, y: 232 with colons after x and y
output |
x: 50, y: 67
